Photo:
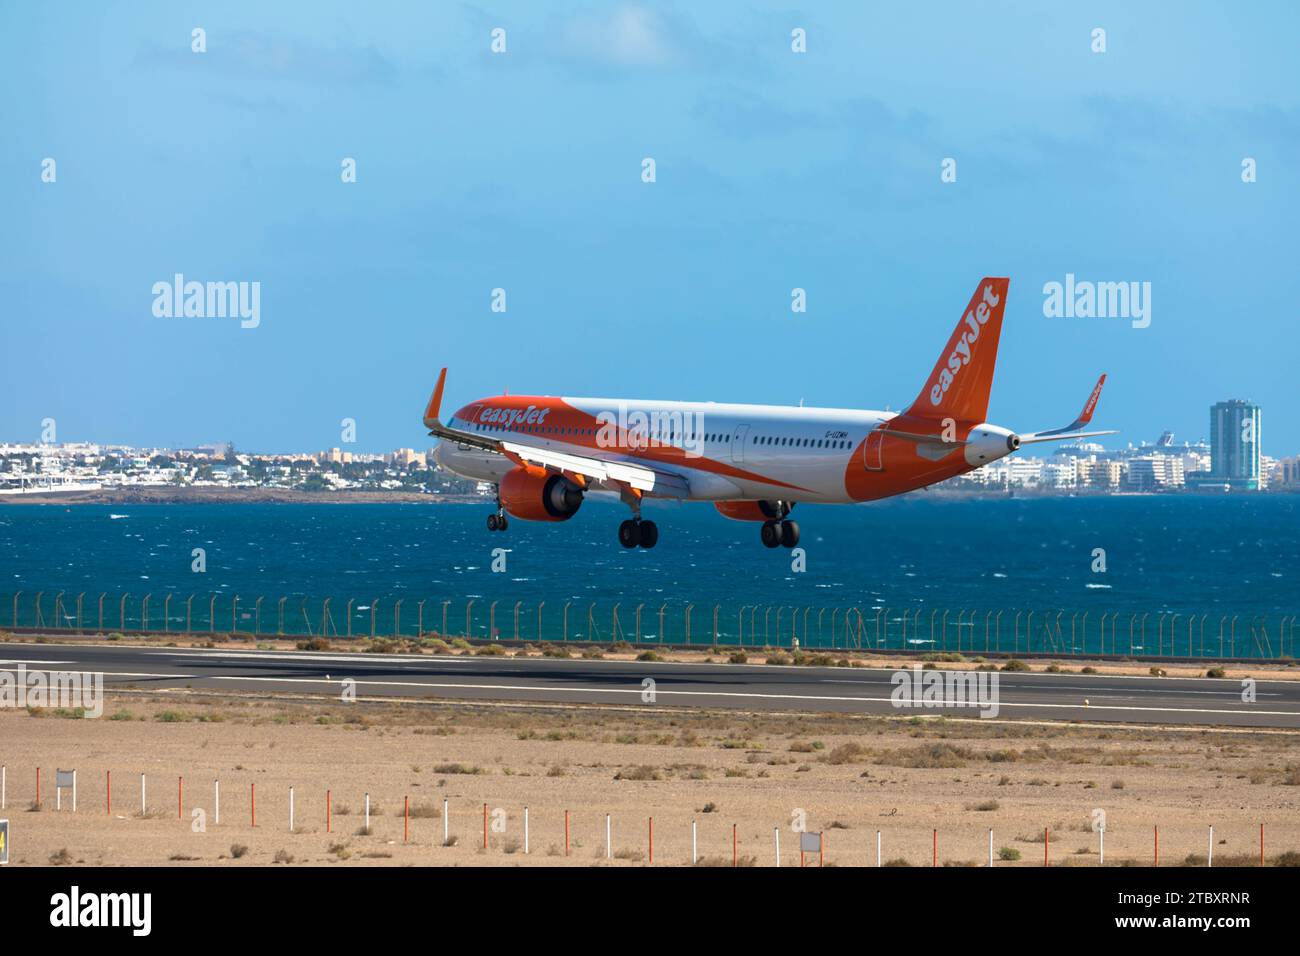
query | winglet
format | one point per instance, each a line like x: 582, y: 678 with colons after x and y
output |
x: 1085, y: 416
x: 1071, y: 431
x: 435, y: 401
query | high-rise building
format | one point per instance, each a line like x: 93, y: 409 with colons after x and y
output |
x: 1234, y: 443
x: 1235, y: 438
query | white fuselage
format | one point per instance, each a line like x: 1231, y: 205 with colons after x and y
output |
x: 724, y: 451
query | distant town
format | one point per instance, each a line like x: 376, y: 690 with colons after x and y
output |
x: 1230, y: 461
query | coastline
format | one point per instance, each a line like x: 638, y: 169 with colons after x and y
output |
x: 212, y: 495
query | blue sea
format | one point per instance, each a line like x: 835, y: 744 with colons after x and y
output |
x: 918, y: 572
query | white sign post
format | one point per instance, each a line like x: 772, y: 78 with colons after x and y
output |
x: 65, y: 778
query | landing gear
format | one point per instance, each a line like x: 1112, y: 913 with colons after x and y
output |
x: 497, y: 521
x: 778, y: 531
x: 776, y: 534
x: 635, y: 532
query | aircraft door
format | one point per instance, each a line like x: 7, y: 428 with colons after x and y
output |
x: 738, y: 440
x: 872, y: 451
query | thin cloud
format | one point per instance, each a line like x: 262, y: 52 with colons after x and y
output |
x: 259, y: 56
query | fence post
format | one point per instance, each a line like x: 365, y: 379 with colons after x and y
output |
x: 878, y: 848
x: 1209, y: 856
x: 609, y: 851
x: 406, y: 819
x: 216, y: 801
x: 4, y: 787
x: 1156, y: 831
x: 252, y: 804
x: 485, y: 826
x: 935, y: 859
x: 144, y: 806
x: 776, y: 839
x: 566, y: 832
x: 38, y: 804
x: 367, y: 814
x: 291, y: 809
x: 328, y: 820
x: 525, y: 831
x: 733, y: 846
x: 446, y: 832
x: 180, y: 795
x: 1047, y: 842
x: 695, y: 856
x: 1101, y: 859
x: 652, y: 840
x: 990, y: 847
x: 108, y: 792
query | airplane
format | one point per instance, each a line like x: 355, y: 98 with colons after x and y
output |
x: 754, y: 462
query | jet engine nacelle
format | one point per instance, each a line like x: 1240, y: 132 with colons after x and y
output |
x: 535, y: 494
x: 752, y: 510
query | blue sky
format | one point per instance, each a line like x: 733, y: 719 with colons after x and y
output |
x: 522, y: 171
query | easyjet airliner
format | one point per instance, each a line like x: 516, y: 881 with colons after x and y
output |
x: 754, y: 462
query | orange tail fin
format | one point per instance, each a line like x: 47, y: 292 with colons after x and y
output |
x: 959, y: 386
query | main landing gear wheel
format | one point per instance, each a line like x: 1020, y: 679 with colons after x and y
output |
x: 635, y: 531
x: 776, y: 534
x: 497, y: 522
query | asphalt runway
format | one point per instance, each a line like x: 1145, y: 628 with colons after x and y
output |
x: 1036, y: 696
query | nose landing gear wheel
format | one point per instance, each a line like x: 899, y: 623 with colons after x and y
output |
x: 770, y: 534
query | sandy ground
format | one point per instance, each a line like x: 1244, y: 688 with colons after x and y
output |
x: 846, y: 776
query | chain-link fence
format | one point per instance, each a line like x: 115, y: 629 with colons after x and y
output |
x: 964, y: 631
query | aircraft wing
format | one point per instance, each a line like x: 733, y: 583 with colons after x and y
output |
x: 617, y: 473
x: 1071, y: 431
x: 635, y: 474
